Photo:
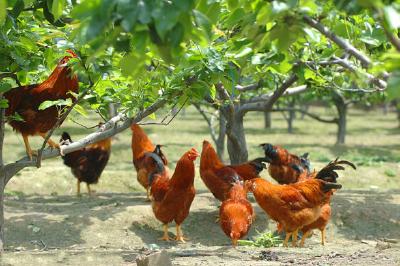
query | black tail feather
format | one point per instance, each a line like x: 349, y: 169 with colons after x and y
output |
x: 159, y: 166
x: 328, y: 172
x: 327, y: 186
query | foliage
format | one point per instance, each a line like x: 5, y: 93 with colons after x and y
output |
x: 265, y: 240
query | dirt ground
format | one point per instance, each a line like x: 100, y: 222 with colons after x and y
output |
x: 113, y: 228
x: 46, y: 224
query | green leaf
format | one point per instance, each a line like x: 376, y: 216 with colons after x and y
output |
x: 392, y: 17
x: 245, y: 51
x: 46, y: 104
x: 3, y: 103
x: 57, y: 8
x: 3, y: 11
x: 393, y: 86
x: 203, y: 21
x: 4, y: 86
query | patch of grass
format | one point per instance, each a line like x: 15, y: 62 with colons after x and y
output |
x: 390, y: 172
x: 265, y: 240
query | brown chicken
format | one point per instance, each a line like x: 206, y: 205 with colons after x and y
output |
x: 88, y: 163
x: 296, y: 205
x: 219, y: 177
x: 284, y: 167
x: 172, y: 198
x: 236, y: 213
x: 25, y: 101
x: 143, y: 152
x: 326, y: 211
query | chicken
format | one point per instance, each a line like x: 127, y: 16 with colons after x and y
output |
x: 88, y: 163
x: 296, y: 205
x: 286, y: 168
x: 236, y: 213
x: 25, y: 101
x: 219, y: 177
x: 326, y: 211
x: 172, y: 198
x: 142, y: 150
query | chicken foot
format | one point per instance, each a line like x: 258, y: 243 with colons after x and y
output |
x: 323, y: 231
x: 179, y: 234
x: 51, y: 143
x: 165, y: 236
x: 294, y: 238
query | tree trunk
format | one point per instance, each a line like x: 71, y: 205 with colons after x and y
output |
x: 267, y: 119
x: 2, y: 178
x: 237, y: 147
x: 291, y: 117
x: 221, y: 137
x: 342, y: 117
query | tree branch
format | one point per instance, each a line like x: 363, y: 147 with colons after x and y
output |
x: 101, y: 134
x: 250, y: 87
x: 365, y: 61
x: 203, y: 114
x: 266, y: 103
x: 316, y: 117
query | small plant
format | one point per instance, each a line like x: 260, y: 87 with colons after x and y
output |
x: 390, y: 172
x: 266, y: 240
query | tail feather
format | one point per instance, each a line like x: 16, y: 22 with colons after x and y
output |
x: 328, y: 172
x: 159, y: 166
x: 327, y: 186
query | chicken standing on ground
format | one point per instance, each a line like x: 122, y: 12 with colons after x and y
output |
x: 88, y: 163
x: 296, y: 205
x: 236, y: 213
x: 142, y: 148
x: 172, y: 198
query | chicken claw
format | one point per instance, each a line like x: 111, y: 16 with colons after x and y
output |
x: 179, y: 234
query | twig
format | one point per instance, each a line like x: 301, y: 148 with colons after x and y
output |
x: 76, y: 122
x: 316, y: 117
x: 208, y: 121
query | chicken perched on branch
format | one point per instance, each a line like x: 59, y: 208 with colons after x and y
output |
x: 284, y: 167
x: 219, y: 177
x: 297, y: 205
x: 25, y: 102
x: 172, y: 198
x: 88, y: 163
x: 236, y: 213
x: 142, y: 151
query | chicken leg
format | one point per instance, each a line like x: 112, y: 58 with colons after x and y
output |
x: 78, y: 188
x: 165, y: 236
x: 89, y: 190
x: 294, y: 238
x: 285, y: 242
x: 179, y: 234
x: 51, y: 143
x: 323, y: 236
x: 304, y: 237
x: 28, y: 149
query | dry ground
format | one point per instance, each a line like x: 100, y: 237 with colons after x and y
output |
x: 46, y: 224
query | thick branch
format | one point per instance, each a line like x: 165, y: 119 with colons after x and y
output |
x: 249, y: 87
x: 13, y: 168
x: 316, y: 117
x: 265, y: 97
x: 365, y: 61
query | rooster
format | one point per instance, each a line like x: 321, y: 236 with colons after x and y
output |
x: 172, y: 198
x: 296, y: 205
x: 236, y: 213
x: 88, y: 163
x: 142, y: 151
x: 326, y: 211
x: 219, y: 177
x: 25, y: 102
x: 284, y: 167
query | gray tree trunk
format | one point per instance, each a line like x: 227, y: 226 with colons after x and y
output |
x: 292, y: 115
x: 237, y: 147
x: 397, y: 105
x: 221, y: 137
x: 267, y: 119
x: 2, y: 177
x: 342, y: 117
